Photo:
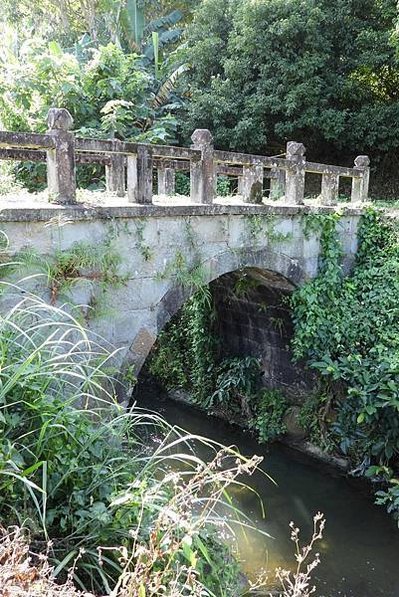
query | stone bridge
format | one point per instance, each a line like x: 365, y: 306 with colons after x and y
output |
x: 161, y: 247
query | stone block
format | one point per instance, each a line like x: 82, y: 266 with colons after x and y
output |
x: 209, y: 230
x: 64, y: 235
x: 171, y: 231
x: 237, y: 231
x: 82, y: 292
x: 127, y: 325
x: 27, y: 234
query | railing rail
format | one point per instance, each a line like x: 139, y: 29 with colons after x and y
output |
x: 130, y: 166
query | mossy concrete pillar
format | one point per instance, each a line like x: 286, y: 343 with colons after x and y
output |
x: 61, y: 174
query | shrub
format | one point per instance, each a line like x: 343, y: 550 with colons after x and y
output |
x: 324, y: 73
x: 237, y: 380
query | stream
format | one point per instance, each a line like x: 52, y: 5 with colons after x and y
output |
x: 360, y: 548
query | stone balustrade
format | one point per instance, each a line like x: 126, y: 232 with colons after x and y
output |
x: 130, y: 166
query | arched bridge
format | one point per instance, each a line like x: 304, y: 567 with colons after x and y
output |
x: 158, y: 248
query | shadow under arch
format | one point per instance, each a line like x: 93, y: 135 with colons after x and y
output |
x: 214, y: 267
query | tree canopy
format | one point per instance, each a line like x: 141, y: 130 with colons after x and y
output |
x: 325, y: 73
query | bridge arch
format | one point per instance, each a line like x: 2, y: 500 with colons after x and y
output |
x: 214, y: 267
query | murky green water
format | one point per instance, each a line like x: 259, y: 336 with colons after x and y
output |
x: 360, y: 549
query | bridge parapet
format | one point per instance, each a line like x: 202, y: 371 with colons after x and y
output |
x: 130, y: 167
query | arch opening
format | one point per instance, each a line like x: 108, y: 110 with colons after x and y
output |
x: 254, y: 318
x: 250, y: 317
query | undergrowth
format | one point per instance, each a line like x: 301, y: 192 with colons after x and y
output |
x: 24, y: 573
x: 97, y: 264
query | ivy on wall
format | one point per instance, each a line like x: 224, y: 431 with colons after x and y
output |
x: 348, y: 330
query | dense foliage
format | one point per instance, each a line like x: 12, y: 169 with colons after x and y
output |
x: 185, y: 351
x: 348, y: 329
x: 125, y: 22
x: 325, y: 73
x: 254, y: 73
x: 100, y: 88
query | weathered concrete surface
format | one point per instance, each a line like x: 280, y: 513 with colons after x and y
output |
x: 158, y: 246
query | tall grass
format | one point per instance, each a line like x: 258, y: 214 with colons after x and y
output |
x: 134, y: 515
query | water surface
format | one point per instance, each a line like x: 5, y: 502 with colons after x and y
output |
x: 360, y: 548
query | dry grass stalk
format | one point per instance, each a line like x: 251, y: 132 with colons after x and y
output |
x: 22, y: 575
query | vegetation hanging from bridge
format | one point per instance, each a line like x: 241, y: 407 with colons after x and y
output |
x: 348, y: 330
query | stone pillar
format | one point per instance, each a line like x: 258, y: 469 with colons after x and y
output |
x: 166, y: 180
x: 277, y: 184
x: 115, y: 172
x: 202, y: 171
x: 251, y: 183
x: 360, y: 185
x: 61, y: 170
x: 295, y: 178
x: 329, y: 188
x: 139, y: 176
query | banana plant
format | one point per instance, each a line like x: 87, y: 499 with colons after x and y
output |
x: 132, y: 21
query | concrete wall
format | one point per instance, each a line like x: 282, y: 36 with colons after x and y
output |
x: 158, y: 246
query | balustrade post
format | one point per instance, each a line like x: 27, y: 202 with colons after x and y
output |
x: 202, y: 171
x: 277, y: 184
x: 360, y: 185
x: 61, y: 169
x: 251, y: 183
x: 295, y: 178
x: 166, y: 179
x: 139, y: 175
x: 329, y: 188
x: 115, y: 171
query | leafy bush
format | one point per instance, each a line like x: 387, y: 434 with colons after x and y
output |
x: 269, y: 412
x: 185, y: 351
x: 312, y: 418
x: 223, y: 187
x: 324, y: 73
x: 237, y: 380
x: 108, y: 92
x: 8, y: 183
x: 182, y: 184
